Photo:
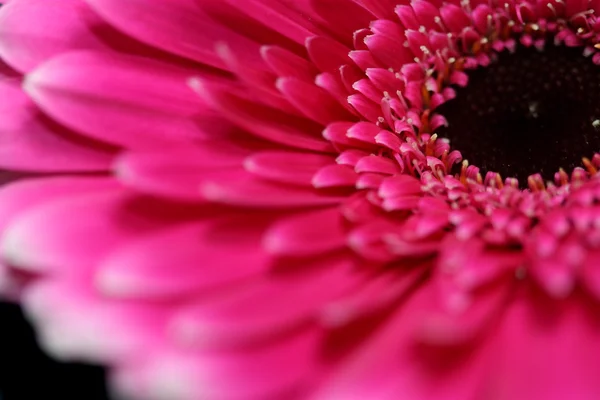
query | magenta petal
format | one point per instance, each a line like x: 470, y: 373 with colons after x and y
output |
x: 286, y: 167
x: 388, y: 51
x: 243, y: 189
x: 546, y: 350
x: 445, y: 327
x: 373, y: 295
x: 344, y: 24
x: 123, y: 100
x: 327, y: 54
x: 283, y: 18
x: 335, y: 176
x: 258, y: 79
x: 285, y: 218
x: 57, y: 307
x: 18, y: 197
x: 313, y: 101
x: 392, y: 362
x: 9, y: 287
x: 32, y: 31
x: 29, y: 141
x: 173, y: 27
x: 97, y: 220
x: 178, y: 173
x: 379, y: 8
x: 591, y: 274
x: 247, y: 313
x: 201, y: 259
x: 264, y: 122
x: 309, y: 233
x: 287, y: 365
x: 284, y: 63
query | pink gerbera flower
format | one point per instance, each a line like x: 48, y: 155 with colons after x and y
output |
x: 268, y: 199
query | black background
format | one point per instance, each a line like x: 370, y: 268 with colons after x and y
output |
x: 26, y: 373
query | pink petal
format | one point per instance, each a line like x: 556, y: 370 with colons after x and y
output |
x: 312, y: 101
x: 56, y: 308
x: 344, y: 24
x: 309, y: 233
x: 21, y: 196
x: 378, y: 164
x: 284, y: 19
x: 284, y: 63
x: 390, y: 52
x: 287, y: 167
x: 546, y: 349
x: 43, y: 237
x: 379, y: 8
x: 257, y: 79
x: 32, y: 31
x: 178, y: 173
x: 390, y: 362
x: 286, y: 367
x: 399, y: 185
x: 264, y: 122
x: 9, y: 286
x: 335, y: 176
x: 245, y: 190
x: 173, y: 27
x: 373, y: 296
x: 32, y: 142
x: 445, y: 327
x: 248, y: 312
x: 327, y: 54
x: 591, y: 274
x: 127, y: 101
x: 199, y: 258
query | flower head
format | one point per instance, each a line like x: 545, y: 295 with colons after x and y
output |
x: 268, y: 199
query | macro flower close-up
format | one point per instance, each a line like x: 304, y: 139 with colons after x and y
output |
x: 307, y: 199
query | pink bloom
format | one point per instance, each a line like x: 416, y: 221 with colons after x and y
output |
x: 256, y: 199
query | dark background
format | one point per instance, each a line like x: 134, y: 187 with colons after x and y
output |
x: 26, y: 373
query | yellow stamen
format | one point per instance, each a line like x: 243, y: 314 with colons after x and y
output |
x: 498, y: 181
x: 589, y: 166
x: 463, y: 172
x: 425, y: 125
x: 536, y: 183
x: 426, y: 96
x: 563, y: 176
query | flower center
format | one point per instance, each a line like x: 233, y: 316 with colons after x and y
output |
x: 528, y: 112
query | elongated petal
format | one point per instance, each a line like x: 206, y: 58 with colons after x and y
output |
x: 201, y: 260
x: 287, y: 167
x: 32, y: 31
x: 122, y: 100
x: 42, y: 238
x: 248, y: 314
x: 30, y: 141
x: 245, y: 190
x: 178, y: 173
x: 178, y: 27
x: 264, y: 122
x: 285, y: 368
x: 309, y: 233
x: 99, y: 336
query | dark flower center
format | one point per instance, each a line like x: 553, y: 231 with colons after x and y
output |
x: 528, y: 112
